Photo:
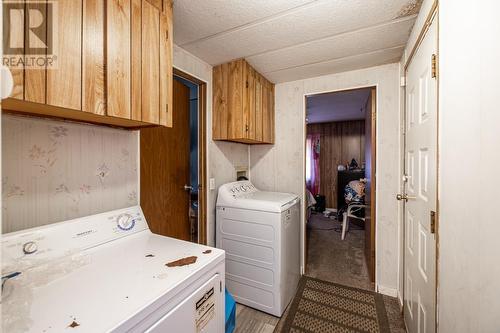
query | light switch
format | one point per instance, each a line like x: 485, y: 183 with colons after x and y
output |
x: 212, y: 184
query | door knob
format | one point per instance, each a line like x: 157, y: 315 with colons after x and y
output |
x: 404, y: 197
x: 188, y: 188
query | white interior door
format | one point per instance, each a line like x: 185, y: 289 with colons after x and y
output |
x: 421, y: 188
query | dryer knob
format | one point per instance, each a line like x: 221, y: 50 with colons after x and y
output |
x: 30, y: 247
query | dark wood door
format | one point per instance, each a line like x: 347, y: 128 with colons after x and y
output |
x: 165, y: 171
x: 370, y: 198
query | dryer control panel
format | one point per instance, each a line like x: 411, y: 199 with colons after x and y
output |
x: 241, y: 188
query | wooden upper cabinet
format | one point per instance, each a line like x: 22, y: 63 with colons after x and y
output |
x: 243, y: 104
x: 150, y: 63
x: 114, y: 64
x: 93, y: 61
x: 166, y: 64
x: 64, y: 83
x: 118, y: 46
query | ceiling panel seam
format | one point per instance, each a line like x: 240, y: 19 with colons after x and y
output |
x: 368, y: 28
x: 254, y: 23
x: 402, y: 46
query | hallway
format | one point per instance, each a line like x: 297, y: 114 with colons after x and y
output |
x: 343, y: 262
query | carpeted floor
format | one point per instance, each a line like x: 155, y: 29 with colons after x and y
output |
x: 332, y: 259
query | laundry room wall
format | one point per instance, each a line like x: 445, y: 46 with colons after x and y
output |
x: 468, y: 224
x: 281, y: 167
x: 223, y: 158
x: 53, y: 171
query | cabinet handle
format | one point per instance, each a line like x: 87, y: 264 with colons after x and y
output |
x: 246, y: 128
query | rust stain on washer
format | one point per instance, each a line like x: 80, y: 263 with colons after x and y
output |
x: 182, y: 262
x: 207, y: 251
x: 73, y: 324
x: 410, y: 8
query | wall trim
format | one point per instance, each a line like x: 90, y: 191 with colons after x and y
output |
x: 393, y: 292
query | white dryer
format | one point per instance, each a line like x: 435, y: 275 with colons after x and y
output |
x: 260, y: 232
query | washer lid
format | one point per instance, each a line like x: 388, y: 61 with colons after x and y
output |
x: 101, y: 272
x: 108, y: 288
x: 244, y: 195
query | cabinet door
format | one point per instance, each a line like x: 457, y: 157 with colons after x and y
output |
x: 17, y: 40
x: 157, y: 3
x: 249, y: 102
x: 272, y: 112
x: 150, y: 63
x: 268, y: 113
x: 258, y: 108
x: 34, y: 78
x: 236, y: 122
x: 118, y: 58
x: 166, y: 74
x: 219, y: 102
x: 93, y: 85
x: 64, y: 83
x: 136, y: 59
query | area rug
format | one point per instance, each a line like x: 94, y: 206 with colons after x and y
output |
x: 324, y: 307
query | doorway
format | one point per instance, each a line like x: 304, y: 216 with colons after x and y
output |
x: 173, y: 180
x: 340, y: 186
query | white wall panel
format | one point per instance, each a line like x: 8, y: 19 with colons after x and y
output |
x: 469, y: 273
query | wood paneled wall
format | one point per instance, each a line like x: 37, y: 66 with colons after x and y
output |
x: 340, y: 142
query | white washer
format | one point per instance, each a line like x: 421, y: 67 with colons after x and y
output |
x: 108, y: 273
x: 260, y: 232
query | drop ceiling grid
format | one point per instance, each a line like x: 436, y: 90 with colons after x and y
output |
x: 294, y: 39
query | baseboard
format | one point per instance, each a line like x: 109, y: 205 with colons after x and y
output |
x: 393, y: 292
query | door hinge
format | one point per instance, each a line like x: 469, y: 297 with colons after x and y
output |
x: 220, y: 286
x: 434, y: 66
x: 433, y: 222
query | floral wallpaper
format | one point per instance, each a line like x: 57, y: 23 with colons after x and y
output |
x: 54, y: 171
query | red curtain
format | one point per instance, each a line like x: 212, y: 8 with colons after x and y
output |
x: 312, y: 163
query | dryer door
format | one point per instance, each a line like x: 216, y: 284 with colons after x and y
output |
x: 202, y: 311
